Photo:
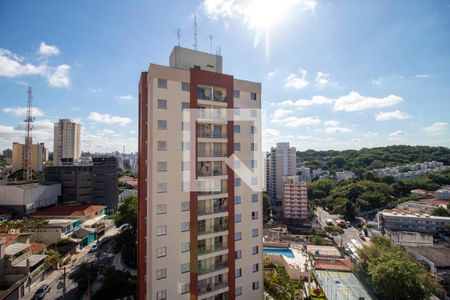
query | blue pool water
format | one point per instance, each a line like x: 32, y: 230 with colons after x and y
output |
x: 285, y: 252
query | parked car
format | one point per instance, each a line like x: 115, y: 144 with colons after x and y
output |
x: 93, y: 249
x: 41, y: 292
x: 362, y: 236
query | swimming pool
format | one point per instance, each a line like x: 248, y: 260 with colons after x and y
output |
x: 285, y: 252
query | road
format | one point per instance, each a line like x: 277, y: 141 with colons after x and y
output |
x: 349, y: 233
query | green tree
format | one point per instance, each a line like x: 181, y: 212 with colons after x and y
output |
x: 116, y: 284
x: 82, y: 274
x: 127, y: 212
x: 267, y: 207
x: 440, y: 211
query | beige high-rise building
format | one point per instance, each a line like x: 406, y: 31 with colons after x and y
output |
x: 66, y: 141
x: 200, y: 224
x: 39, y: 155
x: 295, y: 199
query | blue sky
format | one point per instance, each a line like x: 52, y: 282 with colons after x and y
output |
x: 335, y: 74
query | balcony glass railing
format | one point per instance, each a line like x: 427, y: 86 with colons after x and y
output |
x: 211, y: 114
x: 204, y: 288
x: 212, y: 210
x: 216, y: 96
x: 212, y: 153
x: 214, y: 172
x: 212, y: 268
x: 212, y: 229
x: 211, y: 134
x: 215, y: 248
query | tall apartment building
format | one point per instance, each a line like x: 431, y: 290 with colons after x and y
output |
x: 203, y: 243
x: 39, y: 155
x: 66, y: 141
x: 295, y: 199
x: 280, y: 161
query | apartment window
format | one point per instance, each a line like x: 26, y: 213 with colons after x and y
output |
x: 254, y: 197
x: 237, y: 146
x: 237, y: 236
x: 185, y: 206
x: 255, y: 268
x: 237, y: 128
x: 185, y: 226
x: 238, y: 273
x: 161, y: 230
x: 161, y: 166
x: 185, y: 105
x: 162, y: 146
x: 161, y: 187
x: 185, y: 146
x: 252, y: 129
x: 161, y: 251
x: 184, y: 247
x: 237, y: 218
x: 238, y: 291
x: 185, y: 86
x: 253, y: 163
x: 185, y: 267
x: 252, y: 96
x: 236, y: 94
x: 162, y: 83
x: 161, y: 209
x: 185, y: 288
x: 254, y: 215
x: 255, y: 250
x: 237, y: 200
x: 185, y: 166
x: 161, y: 273
x: 255, y: 232
x: 185, y: 186
x: 237, y: 182
x: 162, y: 124
x: 255, y: 285
x: 162, y: 104
x: 253, y: 147
x: 185, y: 126
x: 237, y: 254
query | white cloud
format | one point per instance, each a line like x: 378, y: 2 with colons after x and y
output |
x: 315, y: 100
x: 423, y: 76
x: 304, y: 137
x: 397, y: 135
x: 322, y: 80
x: 356, y: 102
x: 94, y: 90
x: 295, y: 81
x: 436, y: 128
x: 59, y: 76
x: 280, y: 113
x: 45, y: 125
x: 126, y: 98
x: 332, y: 123
x: 356, y: 140
x: 392, y: 115
x: 336, y: 129
x: 108, y: 131
x: 108, y: 119
x: 271, y: 74
x: 371, y: 134
x: 22, y: 111
x: 270, y: 132
x: 48, y: 50
x: 42, y: 133
x: 294, y: 122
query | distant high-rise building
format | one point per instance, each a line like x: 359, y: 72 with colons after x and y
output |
x: 295, y: 199
x: 281, y: 161
x: 39, y: 155
x: 66, y: 141
x: 201, y: 242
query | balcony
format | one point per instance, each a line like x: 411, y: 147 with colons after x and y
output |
x: 212, y: 268
x: 212, y: 168
x: 211, y: 94
x: 211, y: 249
x: 202, y: 211
x: 212, y: 229
x: 204, y: 288
x: 212, y: 153
x: 211, y: 114
x: 211, y: 134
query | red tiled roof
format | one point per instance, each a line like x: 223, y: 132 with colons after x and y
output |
x: 343, y: 264
x: 10, y: 237
x: 37, y: 248
x: 69, y: 210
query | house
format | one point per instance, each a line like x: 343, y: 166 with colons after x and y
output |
x: 54, y: 230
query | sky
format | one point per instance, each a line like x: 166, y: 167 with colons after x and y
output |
x: 335, y: 74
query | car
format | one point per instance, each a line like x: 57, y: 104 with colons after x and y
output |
x: 41, y: 292
x: 93, y: 249
x: 362, y: 236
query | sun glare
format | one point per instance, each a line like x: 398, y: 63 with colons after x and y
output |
x: 263, y: 14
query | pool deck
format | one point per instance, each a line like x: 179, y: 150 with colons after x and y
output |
x: 295, y: 267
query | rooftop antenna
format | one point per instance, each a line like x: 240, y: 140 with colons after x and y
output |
x: 27, y: 168
x: 210, y: 43
x: 195, y: 31
x: 179, y: 36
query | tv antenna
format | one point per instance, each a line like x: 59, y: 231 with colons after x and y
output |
x: 210, y: 43
x: 179, y: 36
x: 195, y: 31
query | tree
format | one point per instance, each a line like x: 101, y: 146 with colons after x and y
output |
x: 440, y: 211
x: 318, y: 240
x: 53, y: 257
x: 116, y: 284
x: 267, y: 207
x: 82, y: 274
x: 127, y: 212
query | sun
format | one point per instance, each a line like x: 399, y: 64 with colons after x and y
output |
x: 263, y: 14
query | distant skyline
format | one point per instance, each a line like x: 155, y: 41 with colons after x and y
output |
x: 335, y: 75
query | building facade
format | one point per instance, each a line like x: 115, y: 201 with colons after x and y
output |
x: 281, y: 161
x: 91, y: 182
x: 404, y: 220
x: 200, y: 225
x: 66, y: 141
x: 295, y: 199
x: 39, y: 156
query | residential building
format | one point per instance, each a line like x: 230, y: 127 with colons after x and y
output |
x: 442, y: 194
x: 426, y: 206
x: 281, y: 161
x: 199, y: 223
x: 404, y: 220
x: 304, y: 173
x: 54, y: 230
x: 344, y: 175
x: 66, y: 141
x: 295, y: 199
x: 87, y: 181
x: 39, y: 156
x: 411, y: 171
x: 26, y: 198
x: 319, y: 173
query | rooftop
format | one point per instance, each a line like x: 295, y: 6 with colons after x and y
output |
x: 9, y: 237
x: 408, y: 214
x: 16, y: 248
x: 69, y: 210
x: 342, y: 264
x: 434, y: 202
x: 37, y: 248
x: 33, y: 259
x: 327, y: 251
x: 440, y: 256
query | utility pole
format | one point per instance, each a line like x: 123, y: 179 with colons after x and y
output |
x: 64, y: 283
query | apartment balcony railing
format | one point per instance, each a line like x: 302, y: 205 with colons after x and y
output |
x: 213, y: 153
x: 216, y: 97
x: 212, y: 268
x: 211, y: 114
x: 213, y: 192
x: 212, y: 210
x: 215, y: 248
x: 213, y: 172
x: 212, y: 229
x: 211, y: 135
x: 211, y: 287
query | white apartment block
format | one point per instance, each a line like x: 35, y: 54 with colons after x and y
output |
x: 295, y: 199
x: 199, y: 224
x: 281, y: 161
x: 403, y: 220
x: 66, y: 141
x: 344, y: 175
